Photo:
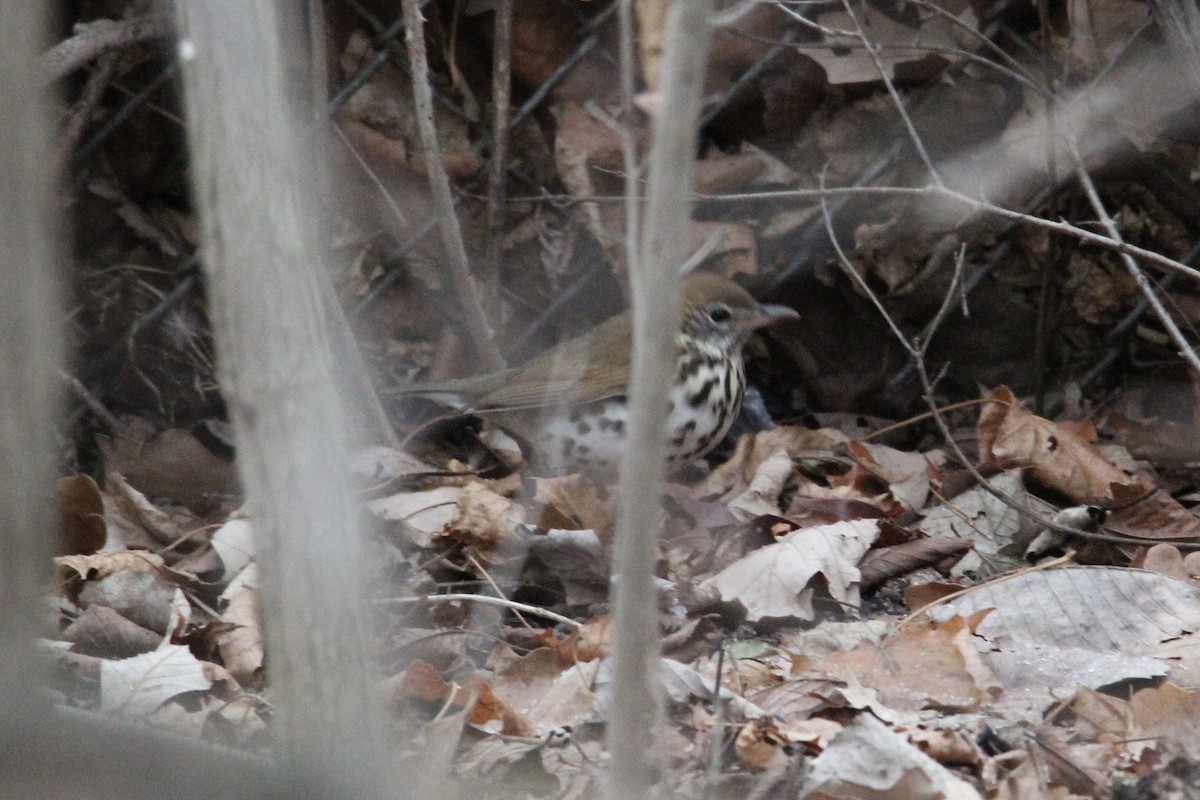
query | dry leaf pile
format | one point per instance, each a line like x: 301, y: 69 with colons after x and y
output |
x: 843, y: 615
x: 827, y: 604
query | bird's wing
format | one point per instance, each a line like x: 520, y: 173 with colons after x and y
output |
x: 591, y: 367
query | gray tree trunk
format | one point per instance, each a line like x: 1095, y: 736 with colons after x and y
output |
x: 252, y: 182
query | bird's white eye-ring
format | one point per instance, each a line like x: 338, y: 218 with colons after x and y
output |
x: 719, y: 313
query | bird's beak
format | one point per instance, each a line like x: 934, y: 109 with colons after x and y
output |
x: 768, y: 314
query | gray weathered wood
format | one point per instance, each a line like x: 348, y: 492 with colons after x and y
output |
x: 654, y: 286
x: 251, y: 179
x: 32, y: 344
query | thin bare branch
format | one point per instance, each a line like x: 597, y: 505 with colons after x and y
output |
x: 635, y: 717
x: 936, y: 411
x: 498, y: 168
x: 1066, y: 228
x: 483, y: 338
x: 873, y: 52
x: 628, y: 58
x: 483, y: 599
x: 94, y: 39
x: 1185, y: 350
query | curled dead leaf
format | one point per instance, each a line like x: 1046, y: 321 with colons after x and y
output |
x: 1013, y: 437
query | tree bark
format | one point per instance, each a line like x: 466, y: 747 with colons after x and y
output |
x: 29, y: 314
x: 654, y: 283
x: 264, y: 265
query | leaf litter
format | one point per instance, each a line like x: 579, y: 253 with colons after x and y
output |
x: 841, y: 617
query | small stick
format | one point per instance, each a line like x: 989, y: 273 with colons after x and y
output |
x: 483, y: 338
x: 488, y: 601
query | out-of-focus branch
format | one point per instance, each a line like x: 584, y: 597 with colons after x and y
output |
x: 974, y: 204
x: 29, y: 311
x: 654, y: 283
x: 260, y: 232
x: 1180, y: 23
x: 483, y: 338
x: 94, y: 39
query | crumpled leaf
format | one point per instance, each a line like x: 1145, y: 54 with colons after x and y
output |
x: 870, y: 761
x: 424, y: 514
x: 905, y: 474
x: 1012, y: 437
x: 489, y: 525
x: 81, y: 510
x: 545, y: 693
x: 234, y: 543
x: 902, y: 44
x: 761, y: 497
x: 752, y: 449
x: 135, y: 687
x: 100, y: 565
x: 242, y: 646
x: 773, y: 581
x: 996, y: 530
x: 914, y: 668
x: 572, y: 502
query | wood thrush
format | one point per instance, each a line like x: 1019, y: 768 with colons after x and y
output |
x: 569, y: 402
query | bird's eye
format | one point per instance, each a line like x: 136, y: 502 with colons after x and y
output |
x: 720, y: 314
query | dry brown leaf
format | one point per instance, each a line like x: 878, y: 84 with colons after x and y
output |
x: 906, y: 475
x: 918, y: 667
x: 489, y: 525
x: 761, y: 497
x: 100, y: 565
x: 139, y: 523
x: 137, y: 686
x: 171, y: 464
x: 587, y: 643
x: 145, y: 597
x: 773, y: 581
x: 920, y: 595
x: 758, y: 742
x: 1012, y: 437
x: 1144, y: 511
x: 883, y: 563
x: 102, y: 631
x: 1170, y: 715
x: 752, y: 449
x: 997, y: 532
x: 1165, y: 559
x: 81, y: 509
x: 546, y: 694
x: 241, y: 645
x: 420, y: 681
x: 866, y: 759
x: 492, y: 714
x: 575, y: 504
x: 424, y: 514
